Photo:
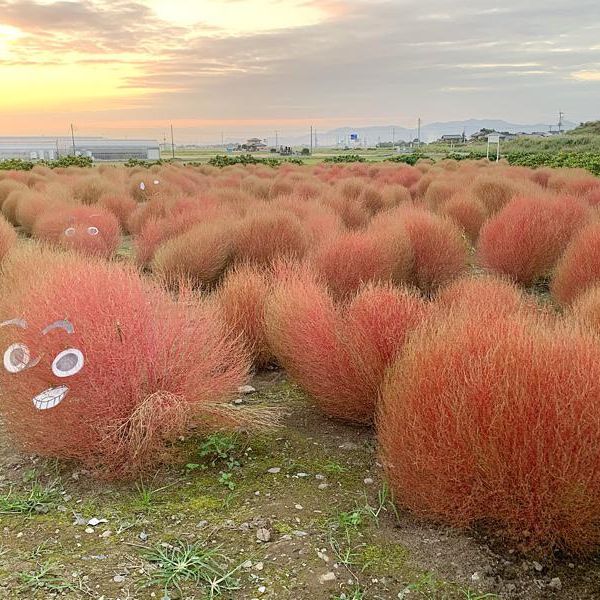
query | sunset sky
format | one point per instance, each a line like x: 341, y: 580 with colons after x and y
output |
x: 247, y: 67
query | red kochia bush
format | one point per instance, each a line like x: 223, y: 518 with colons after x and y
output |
x: 241, y: 298
x: 467, y: 212
x: 266, y: 236
x: 87, y: 229
x: 8, y: 237
x: 107, y: 369
x: 483, y: 295
x: 579, y: 267
x: 359, y: 257
x: 200, y: 256
x: 497, y: 421
x: 338, y: 354
x: 526, y: 238
x: 439, y: 251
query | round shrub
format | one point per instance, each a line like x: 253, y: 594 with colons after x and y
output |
x: 497, y: 422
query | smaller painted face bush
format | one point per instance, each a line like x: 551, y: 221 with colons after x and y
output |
x: 90, y: 230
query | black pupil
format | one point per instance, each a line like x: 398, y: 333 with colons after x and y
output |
x: 67, y: 362
x: 17, y: 357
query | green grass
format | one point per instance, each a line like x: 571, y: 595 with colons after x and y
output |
x: 174, y: 565
x: 39, y: 499
x: 44, y: 578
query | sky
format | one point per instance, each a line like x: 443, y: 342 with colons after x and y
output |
x: 129, y: 68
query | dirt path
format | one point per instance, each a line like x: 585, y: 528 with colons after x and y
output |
x: 300, y: 513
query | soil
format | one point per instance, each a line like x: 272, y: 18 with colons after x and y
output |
x: 332, y: 530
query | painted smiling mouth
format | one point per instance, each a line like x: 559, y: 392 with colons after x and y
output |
x: 51, y: 397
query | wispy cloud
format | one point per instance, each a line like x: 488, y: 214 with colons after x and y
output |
x: 319, y: 59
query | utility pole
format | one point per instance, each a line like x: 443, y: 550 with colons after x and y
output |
x: 419, y: 130
x: 172, y: 142
x: 393, y: 137
x: 73, y: 138
x: 311, y: 139
x: 276, y: 139
x: 316, y: 140
x: 561, y: 114
x: 222, y: 140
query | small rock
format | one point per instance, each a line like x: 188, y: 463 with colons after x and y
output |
x: 246, y: 389
x: 368, y: 481
x: 326, y: 577
x: 349, y: 446
x: 571, y: 565
x: 79, y: 520
x: 555, y: 584
x: 476, y: 576
x: 247, y: 564
x: 301, y: 474
x: 106, y: 533
x: 299, y: 533
x: 274, y: 470
x: 263, y: 534
x: 143, y: 536
x: 323, y: 486
x: 323, y: 556
x: 201, y: 524
x: 262, y: 589
x: 320, y: 477
x: 93, y: 522
x: 118, y: 578
x: 537, y: 566
x: 89, y: 530
x: 259, y: 566
x: 298, y: 506
x: 238, y: 401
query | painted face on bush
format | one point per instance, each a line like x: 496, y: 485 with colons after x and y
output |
x: 18, y: 358
x: 82, y: 229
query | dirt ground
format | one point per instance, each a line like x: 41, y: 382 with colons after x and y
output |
x: 297, y: 513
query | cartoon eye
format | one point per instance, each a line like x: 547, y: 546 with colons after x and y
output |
x: 16, y: 358
x: 142, y: 186
x: 67, y: 363
x: 70, y: 231
x: 93, y: 230
x: 156, y: 182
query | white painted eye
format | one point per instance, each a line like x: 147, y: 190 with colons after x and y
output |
x: 156, y: 182
x: 16, y: 358
x: 142, y: 186
x: 70, y: 231
x: 93, y: 230
x: 67, y: 363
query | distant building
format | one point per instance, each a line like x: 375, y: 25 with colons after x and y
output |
x: 97, y: 148
x: 482, y: 135
x: 454, y: 138
x: 253, y: 145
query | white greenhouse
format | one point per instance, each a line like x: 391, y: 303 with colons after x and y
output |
x: 97, y: 148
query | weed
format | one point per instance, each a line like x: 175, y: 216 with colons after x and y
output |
x: 184, y: 562
x: 43, y: 578
x: 40, y: 499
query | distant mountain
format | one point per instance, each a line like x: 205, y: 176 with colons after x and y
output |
x: 429, y: 132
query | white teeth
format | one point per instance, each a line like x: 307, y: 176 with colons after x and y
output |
x: 50, y: 398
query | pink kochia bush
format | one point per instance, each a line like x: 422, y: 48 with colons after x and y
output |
x: 579, y: 267
x: 359, y: 257
x: 87, y: 229
x: 438, y: 248
x: 241, y: 297
x: 8, y: 237
x: 497, y: 422
x: 338, y: 353
x: 526, y: 238
x: 105, y: 368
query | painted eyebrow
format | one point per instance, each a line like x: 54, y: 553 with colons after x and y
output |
x: 63, y: 324
x: 16, y: 322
